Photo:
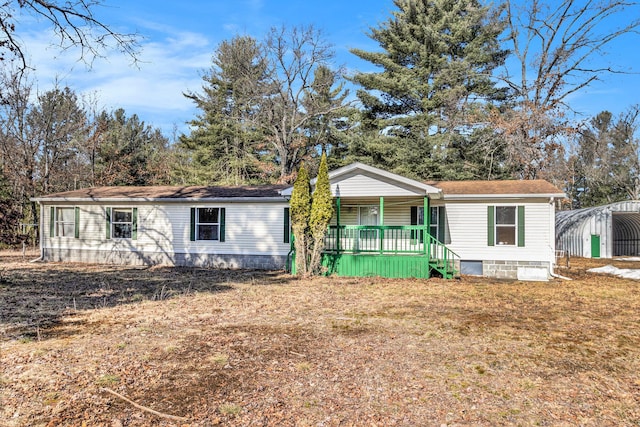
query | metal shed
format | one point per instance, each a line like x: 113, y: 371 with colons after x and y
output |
x: 600, y: 232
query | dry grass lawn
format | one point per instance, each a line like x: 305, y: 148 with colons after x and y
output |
x: 250, y: 348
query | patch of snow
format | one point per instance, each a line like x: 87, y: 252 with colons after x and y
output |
x: 536, y: 274
x: 628, y: 259
x: 626, y: 273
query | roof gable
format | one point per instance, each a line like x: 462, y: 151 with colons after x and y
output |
x: 360, y: 180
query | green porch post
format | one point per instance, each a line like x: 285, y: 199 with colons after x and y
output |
x: 381, y: 223
x: 426, y: 223
x: 338, y: 224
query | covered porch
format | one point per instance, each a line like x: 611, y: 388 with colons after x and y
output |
x: 385, y: 225
x: 397, y: 251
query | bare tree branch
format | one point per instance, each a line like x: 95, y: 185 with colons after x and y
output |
x: 75, y: 24
x: 560, y: 43
x: 557, y: 46
x: 295, y: 54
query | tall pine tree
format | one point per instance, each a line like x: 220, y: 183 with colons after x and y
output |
x: 129, y: 152
x: 226, y: 143
x: 605, y: 164
x: 436, y: 61
x: 329, y: 128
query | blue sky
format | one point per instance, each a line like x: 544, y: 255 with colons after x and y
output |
x: 178, y: 39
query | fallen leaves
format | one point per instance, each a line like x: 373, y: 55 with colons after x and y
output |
x: 325, y: 351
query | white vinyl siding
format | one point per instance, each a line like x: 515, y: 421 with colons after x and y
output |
x: 251, y: 229
x: 362, y: 185
x: 257, y: 228
x: 467, y: 226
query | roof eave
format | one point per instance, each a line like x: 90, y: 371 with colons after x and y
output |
x: 161, y: 199
x: 504, y: 196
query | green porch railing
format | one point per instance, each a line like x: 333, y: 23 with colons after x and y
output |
x: 443, y: 259
x: 387, y: 240
x: 392, y: 239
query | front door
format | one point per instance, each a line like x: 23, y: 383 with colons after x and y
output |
x: 368, y: 215
x: 595, y: 246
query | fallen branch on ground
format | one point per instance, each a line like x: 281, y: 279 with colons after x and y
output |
x: 143, y: 408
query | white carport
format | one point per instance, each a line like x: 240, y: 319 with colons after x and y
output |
x: 600, y: 232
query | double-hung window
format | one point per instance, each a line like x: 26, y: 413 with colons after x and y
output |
x: 64, y: 222
x: 207, y: 224
x: 505, y: 225
x: 122, y: 223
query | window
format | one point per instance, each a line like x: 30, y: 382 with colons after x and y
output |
x: 436, y: 220
x: 368, y: 215
x: 433, y: 219
x: 64, y: 222
x: 207, y: 224
x: 505, y: 225
x: 122, y: 223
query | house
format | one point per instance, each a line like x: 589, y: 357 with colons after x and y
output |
x: 601, y: 231
x: 384, y: 224
x: 221, y: 227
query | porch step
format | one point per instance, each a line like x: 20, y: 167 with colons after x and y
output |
x: 446, y: 269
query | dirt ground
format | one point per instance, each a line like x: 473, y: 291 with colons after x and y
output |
x: 245, y: 348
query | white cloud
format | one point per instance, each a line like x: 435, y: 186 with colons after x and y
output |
x: 167, y: 67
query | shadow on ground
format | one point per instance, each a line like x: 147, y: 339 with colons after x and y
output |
x: 34, y: 297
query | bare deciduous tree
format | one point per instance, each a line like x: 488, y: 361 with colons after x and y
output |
x: 558, y: 48
x: 38, y: 140
x: 294, y: 56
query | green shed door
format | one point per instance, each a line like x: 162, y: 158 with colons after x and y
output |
x: 595, y: 246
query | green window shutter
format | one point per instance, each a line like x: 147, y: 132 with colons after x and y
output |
x: 491, y: 235
x: 521, y: 226
x: 108, y: 216
x: 222, y: 215
x: 192, y: 226
x: 286, y: 226
x: 52, y: 222
x: 441, y: 222
x: 134, y: 224
x: 76, y: 229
